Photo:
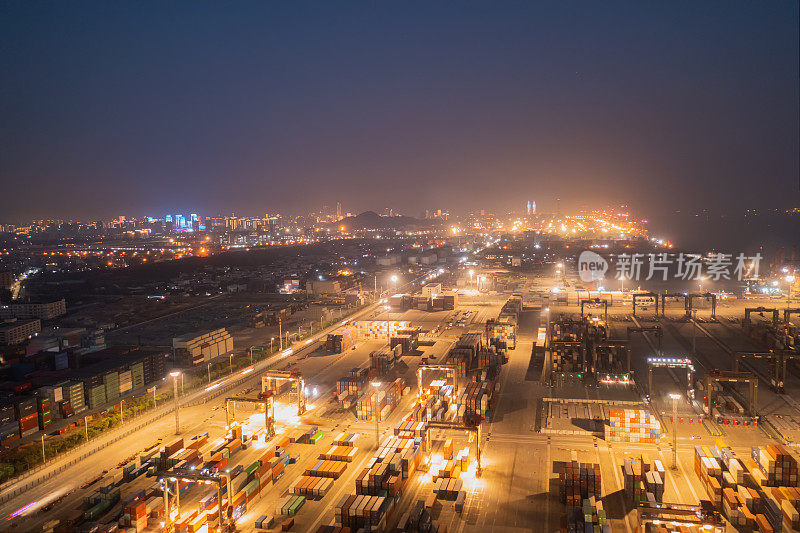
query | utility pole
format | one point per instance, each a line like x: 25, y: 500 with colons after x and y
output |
x: 86, y: 428
x: 175, y: 375
x: 44, y: 459
x: 675, y: 398
x: 121, y: 412
x: 280, y: 332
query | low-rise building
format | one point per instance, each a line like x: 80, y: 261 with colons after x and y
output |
x: 40, y: 310
x: 18, y: 331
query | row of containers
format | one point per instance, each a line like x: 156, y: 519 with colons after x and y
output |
x: 379, y: 329
x: 23, y: 418
x: 24, y: 415
x: 382, y: 480
x: 379, y: 484
x: 632, y: 425
x: 577, y: 481
x: 445, y: 471
x: 644, y: 480
x: 145, y: 509
x: 589, y: 517
x: 380, y: 400
x: 759, y: 493
x: 341, y: 340
x: 104, y: 510
x: 432, y: 302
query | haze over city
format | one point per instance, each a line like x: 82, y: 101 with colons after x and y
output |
x: 146, y: 109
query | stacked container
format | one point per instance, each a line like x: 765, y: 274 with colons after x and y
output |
x: 75, y: 396
x: 111, y: 382
x: 577, y: 481
x: 44, y: 411
x: 632, y: 425
x: 778, y: 466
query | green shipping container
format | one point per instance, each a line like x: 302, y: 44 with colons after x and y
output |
x: 296, y: 504
x: 316, y: 438
x: 251, y: 487
x: 252, y: 468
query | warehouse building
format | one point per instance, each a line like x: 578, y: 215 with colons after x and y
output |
x: 201, y: 347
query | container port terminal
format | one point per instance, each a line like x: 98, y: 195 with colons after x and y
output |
x: 489, y: 410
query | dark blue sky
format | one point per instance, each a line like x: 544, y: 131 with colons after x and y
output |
x: 140, y: 108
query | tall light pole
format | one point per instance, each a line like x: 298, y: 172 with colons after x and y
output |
x: 208, y: 368
x: 675, y: 397
x: 694, y: 332
x: 271, y: 340
x: 375, y: 385
x: 280, y: 332
x: 44, y: 459
x: 230, y: 362
x: 471, y: 273
x: 175, y: 374
x: 789, y: 281
x: 394, y: 283
x: 251, y: 355
x: 121, y: 412
x: 388, y: 309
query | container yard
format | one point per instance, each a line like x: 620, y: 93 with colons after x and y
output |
x: 457, y: 432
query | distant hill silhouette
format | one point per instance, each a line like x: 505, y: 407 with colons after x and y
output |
x: 372, y: 220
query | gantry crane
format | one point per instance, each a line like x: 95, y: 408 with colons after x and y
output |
x: 453, y: 426
x: 713, y: 378
x: 267, y: 399
x: 671, y: 362
x: 710, y: 295
x: 749, y: 310
x: 596, y: 301
x: 450, y: 368
x: 682, y: 295
x: 777, y: 365
x: 652, y: 295
x: 648, y: 329
x: 270, y: 379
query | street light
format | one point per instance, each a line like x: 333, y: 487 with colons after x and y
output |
x: 271, y: 340
x: 789, y: 281
x: 471, y: 273
x: 208, y: 368
x: 230, y: 362
x: 175, y: 374
x: 375, y: 385
x: 394, y: 281
x: 675, y: 397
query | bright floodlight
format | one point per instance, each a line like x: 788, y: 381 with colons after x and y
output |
x: 790, y: 278
x: 546, y: 309
x: 560, y: 265
x: 555, y: 289
x: 471, y: 272
x: 394, y: 279
x: 674, y: 396
x: 376, y: 383
x: 175, y: 373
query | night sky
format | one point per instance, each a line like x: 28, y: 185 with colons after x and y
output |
x: 142, y: 108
